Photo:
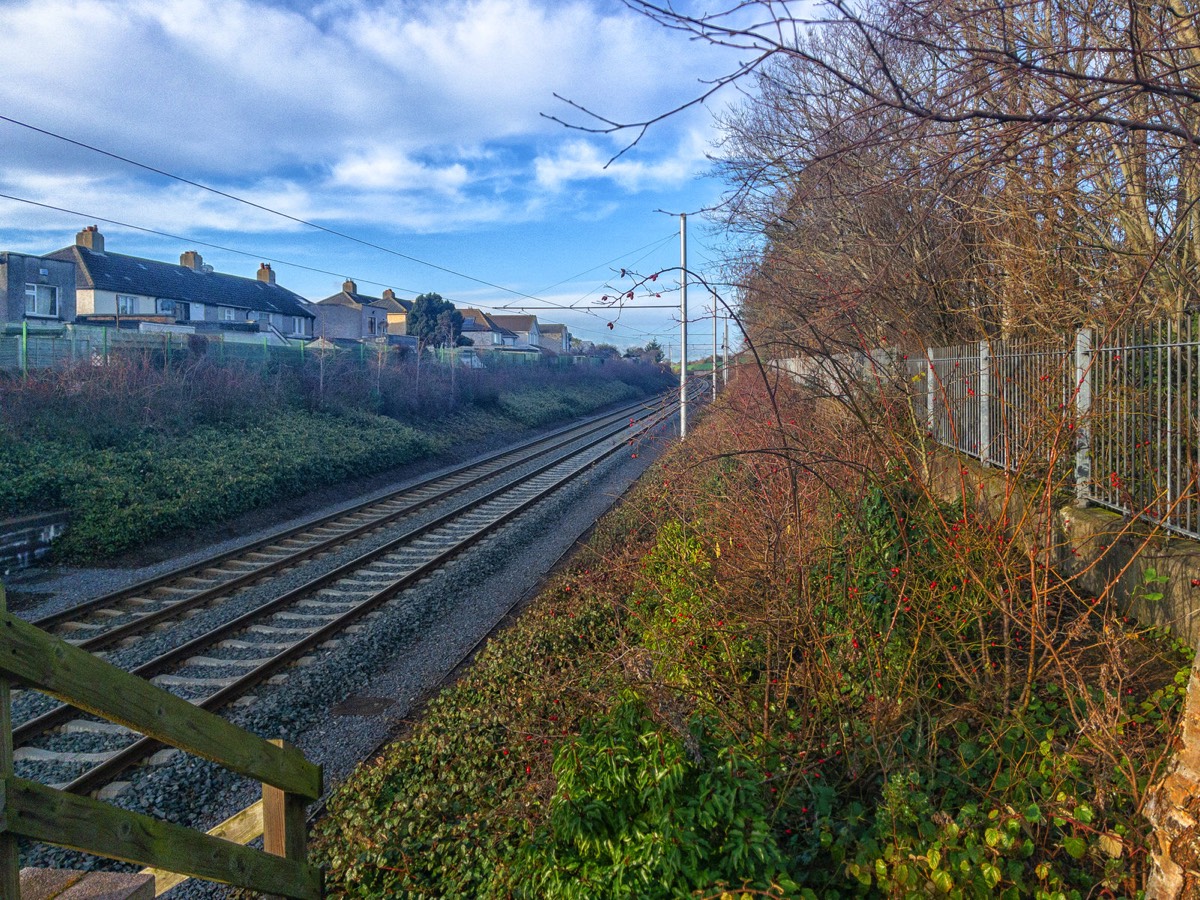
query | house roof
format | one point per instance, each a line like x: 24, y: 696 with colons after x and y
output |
x: 516, y: 323
x: 551, y: 328
x: 345, y: 298
x: 149, y: 277
x: 393, y: 304
x: 354, y: 300
x: 476, y: 320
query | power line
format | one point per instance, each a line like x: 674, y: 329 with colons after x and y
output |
x: 307, y: 223
x: 191, y: 240
x: 266, y: 209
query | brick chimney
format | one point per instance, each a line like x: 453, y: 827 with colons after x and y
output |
x: 266, y: 273
x: 91, y: 238
x: 191, y: 260
x: 389, y: 294
x: 349, y: 287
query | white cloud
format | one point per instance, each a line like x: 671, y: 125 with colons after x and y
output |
x: 241, y: 84
x: 581, y: 160
x: 383, y: 168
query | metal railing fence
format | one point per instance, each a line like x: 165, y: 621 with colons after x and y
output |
x: 22, y: 351
x: 1113, y: 415
x: 1145, y: 401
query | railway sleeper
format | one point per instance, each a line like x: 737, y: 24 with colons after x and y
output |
x: 169, y: 681
x: 216, y: 662
x: 39, y: 754
x: 253, y: 645
x: 279, y: 629
x: 95, y: 726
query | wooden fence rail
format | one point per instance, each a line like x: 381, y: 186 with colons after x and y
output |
x: 41, y: 662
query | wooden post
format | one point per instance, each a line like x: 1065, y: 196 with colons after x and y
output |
x: 284, y: 824
x: 10, y: 861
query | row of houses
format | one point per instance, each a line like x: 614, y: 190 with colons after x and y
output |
x: 88, y: 284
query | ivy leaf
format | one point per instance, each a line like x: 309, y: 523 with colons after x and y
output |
x: 1075, y: 846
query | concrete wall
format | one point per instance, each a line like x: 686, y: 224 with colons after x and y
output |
x: 1100, y: 550
x: 1104, y: 551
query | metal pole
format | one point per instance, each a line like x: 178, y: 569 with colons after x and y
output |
x: 24, y: 347
x: 714, y: 357
x: 985, y: 392
x: 725, y: 367
x: 1083, y: 408
x: 931, y: 393
x: 682, y: 326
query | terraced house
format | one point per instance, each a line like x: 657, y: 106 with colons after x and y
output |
x: 128, y: 291
x: 351, y: 316
x: 36, y: 289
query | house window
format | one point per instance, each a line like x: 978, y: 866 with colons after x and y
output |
x: 227, y: 314
x: 126, y: 305
x: 370, y: 326
x: 164, y: 306
x: 41, y: 300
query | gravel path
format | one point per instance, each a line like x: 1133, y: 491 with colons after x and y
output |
x: 353, y: 696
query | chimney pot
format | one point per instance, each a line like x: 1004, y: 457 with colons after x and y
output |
x: 349, y: 287
x: 389, y: 294
x: 266, y: 273
x: 91, y: 238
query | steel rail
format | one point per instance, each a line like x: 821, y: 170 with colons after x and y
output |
x: 161, y: 580
x: 201, y: 597
x: 105, y: 771
x: 32, y: 728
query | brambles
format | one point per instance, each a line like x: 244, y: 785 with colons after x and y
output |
x: 136, y: 451
x: 871, y: 693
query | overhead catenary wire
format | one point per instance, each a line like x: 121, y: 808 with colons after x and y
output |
x: 190, y: 240
x: 263, y: 208
x: 573, y: 307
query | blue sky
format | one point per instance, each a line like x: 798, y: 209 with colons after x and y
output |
x: 413, y: 125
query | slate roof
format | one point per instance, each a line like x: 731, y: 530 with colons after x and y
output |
x: 134, y: 275
x: 549, y: 329
x: 393, y: 303
x: 516, y: 323
x: 356, y: 301
x: 476, y: 320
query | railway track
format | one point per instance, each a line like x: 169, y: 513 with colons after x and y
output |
x: 395, y: 541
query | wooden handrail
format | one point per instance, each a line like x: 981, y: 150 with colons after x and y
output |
x: 32, y: 810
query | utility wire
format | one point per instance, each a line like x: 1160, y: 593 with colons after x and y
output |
x: 183, y: 180
x: 262, y: 256
x: 266, y: 209
x: 191, y: 240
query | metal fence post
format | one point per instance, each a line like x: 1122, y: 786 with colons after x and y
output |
x: 23, y: 355
x: 1083, y: 408
x: 985, y: 392
x: 931, y: 390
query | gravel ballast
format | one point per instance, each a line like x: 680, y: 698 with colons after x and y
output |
x: 353, y: 695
